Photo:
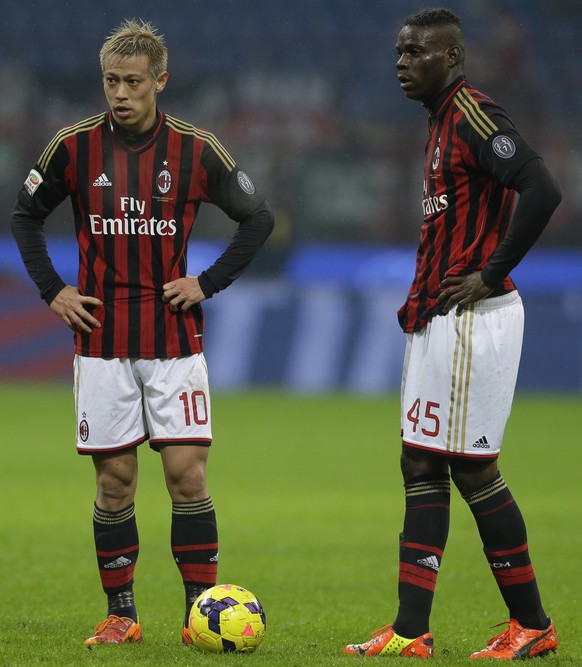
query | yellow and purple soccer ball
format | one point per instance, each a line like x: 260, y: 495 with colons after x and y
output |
x: 227, y: 619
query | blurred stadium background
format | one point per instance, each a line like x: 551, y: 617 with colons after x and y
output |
x: 304, y: 96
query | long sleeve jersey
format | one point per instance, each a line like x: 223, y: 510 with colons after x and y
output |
x: 135, y: 200
x: 475, y: 161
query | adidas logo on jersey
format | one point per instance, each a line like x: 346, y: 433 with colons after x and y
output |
x: 102, y: 181
x: 481, y: 443
x: 430, y: 561
x: 118, y: 562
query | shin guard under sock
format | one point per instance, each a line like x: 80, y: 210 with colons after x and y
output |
x: 195, y: 546
x: 117, y: 546
x: 504, y: 537
x: 422, y: 542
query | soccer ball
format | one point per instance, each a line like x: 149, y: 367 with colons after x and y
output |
x: 227, y: 619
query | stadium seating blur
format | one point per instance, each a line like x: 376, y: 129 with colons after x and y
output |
x: 304, y: 95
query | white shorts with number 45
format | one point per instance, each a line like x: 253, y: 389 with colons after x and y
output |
x: 459, y: 378
x: 120, y: 403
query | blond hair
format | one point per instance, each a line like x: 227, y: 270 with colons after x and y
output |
x: 135, y: 39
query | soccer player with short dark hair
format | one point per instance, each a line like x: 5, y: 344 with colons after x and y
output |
x: 136, y: 178
x: 463, y: 320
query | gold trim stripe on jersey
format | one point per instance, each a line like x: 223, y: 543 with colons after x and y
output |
x: 461, y: 378
x: 480, y: 121
x: 49, y: 151
x: 219, y: 149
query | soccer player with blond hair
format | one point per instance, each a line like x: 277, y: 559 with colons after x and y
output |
x: 136, y: 178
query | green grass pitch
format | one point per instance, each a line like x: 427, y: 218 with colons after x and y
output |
x: 309, y: 501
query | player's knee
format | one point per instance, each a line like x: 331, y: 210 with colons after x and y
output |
x: 185, y: 472
x: 115, y: 488
x: 114, y: 493
x: 187, y: 490
x: 187, y: 485
x: 415, y: 463
x: 468, y: 476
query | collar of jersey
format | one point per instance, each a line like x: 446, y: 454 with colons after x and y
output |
x: 436, y: 105
x: 132, y: 141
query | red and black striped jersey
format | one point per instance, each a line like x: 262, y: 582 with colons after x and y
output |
x: 472, y: 153
x: 134, y: 207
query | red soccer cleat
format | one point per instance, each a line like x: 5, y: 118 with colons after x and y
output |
x: 116, y: 630
x: 386, y: 642
x: 516, y: 643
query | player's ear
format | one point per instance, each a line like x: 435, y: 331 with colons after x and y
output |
x: 455, y: 56
x: 161, y: 82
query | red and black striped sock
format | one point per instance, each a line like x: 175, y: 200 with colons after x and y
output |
x: 422, y: 543
x: 195, y: 546
x: 117, y: 546
x: 504, y: 537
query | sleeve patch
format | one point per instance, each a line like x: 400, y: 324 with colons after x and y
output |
x: 33, y: 180
x: 245, y: 183
x: 503, y: 147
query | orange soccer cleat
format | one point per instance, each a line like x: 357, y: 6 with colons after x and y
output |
x: 386, y: 642
x: 116, y: 630
x: 186, y: 636
x: 516, y: 643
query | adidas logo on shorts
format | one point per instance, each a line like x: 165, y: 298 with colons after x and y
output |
x: 481, y: 443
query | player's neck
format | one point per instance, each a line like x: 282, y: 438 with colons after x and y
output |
x: 129, y: 136
x: 433, y: 105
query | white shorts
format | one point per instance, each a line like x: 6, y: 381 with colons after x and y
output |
x: 120, y: 403
x: 459, y: 378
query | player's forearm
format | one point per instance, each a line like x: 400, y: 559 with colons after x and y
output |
x: 539, y: 196
x: 29, y: 236
x: 253, y: 231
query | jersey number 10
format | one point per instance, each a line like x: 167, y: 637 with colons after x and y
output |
x: 194, y: 407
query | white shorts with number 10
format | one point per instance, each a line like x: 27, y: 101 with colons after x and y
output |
x: 459, y: 378
x: 120, y: 403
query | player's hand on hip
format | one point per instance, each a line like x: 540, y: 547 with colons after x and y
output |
x: 69, y: 305
x: 460, y: 291
x: 183, y: 293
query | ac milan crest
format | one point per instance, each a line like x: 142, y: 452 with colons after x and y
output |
x: 164, y: 181
x: 436, y: 158
x: 84, y: 430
